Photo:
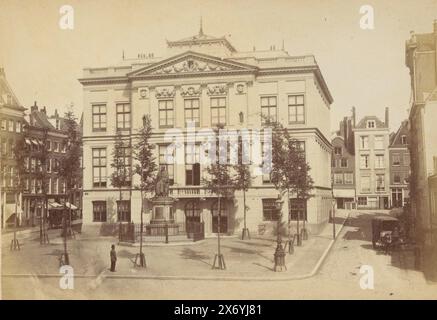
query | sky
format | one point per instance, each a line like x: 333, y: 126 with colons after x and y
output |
x: 363, y: 68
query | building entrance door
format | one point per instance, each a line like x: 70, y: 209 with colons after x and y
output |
x: 192, y: 216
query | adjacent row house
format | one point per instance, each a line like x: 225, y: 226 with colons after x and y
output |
x: 11, y: 124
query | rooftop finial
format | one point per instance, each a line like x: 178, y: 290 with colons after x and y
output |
x: 201, y: 27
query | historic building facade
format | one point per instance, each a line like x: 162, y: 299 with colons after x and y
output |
x: 399, y: 166
x: 421, y: 59
x: 372, y: 174
x: 343, y: 164
x: 11, y: 121
x: 206, y: 81
x: 46, y: 141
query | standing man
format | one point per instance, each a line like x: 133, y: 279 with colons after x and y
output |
x: 113, y: 255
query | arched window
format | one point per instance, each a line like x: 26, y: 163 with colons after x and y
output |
x: 223, y: 217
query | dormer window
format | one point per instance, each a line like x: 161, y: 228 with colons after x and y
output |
x: 404, y: 139
x: 370, y: 124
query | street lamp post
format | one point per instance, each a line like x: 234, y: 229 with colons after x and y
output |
x: 279, y: 255
x: 333, y: 201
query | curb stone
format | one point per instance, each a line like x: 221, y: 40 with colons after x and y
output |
x: 104, y: 276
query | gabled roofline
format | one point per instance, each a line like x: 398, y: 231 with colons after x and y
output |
x: 187, y: 54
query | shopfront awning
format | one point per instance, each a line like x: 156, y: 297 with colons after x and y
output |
x: 55, y: 205
x: 344, y: 193
x: 70, y: 206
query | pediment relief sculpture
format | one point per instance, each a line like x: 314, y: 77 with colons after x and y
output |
x: 190, y: 65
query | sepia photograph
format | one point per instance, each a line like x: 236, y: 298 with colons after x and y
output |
x: 218, y: 150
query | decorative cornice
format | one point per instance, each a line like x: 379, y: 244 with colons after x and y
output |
x: 191, y: 91
x: 165, y: 92
x: 219, y: 89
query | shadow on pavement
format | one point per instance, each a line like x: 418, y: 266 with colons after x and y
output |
x: 188, y: 253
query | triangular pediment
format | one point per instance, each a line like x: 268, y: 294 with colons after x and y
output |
x: 191, y: 63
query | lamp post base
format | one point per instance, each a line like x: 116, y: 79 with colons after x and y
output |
x: 15, y: 245
x: 140, y: 260
x: 64, y: 259
x: 304, y: 232
x: 245, y: 234
x: 279, y: 259
x: 219, y: 259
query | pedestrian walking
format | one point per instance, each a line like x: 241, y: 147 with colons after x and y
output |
x: 113, y: 256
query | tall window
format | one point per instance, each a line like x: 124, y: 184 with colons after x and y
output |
x: 337, y: 151
x: 191, y: 109
x: 266, y: 176
x: 163, y: 162
x: 126, y: 156
x: 379, y: 161
x: 364, y: 161
x: 379, y: 142
x: 364, y: 142
x: 380, y: 182
x: 123, y: 116
x: 338, y: 178
x: 348, y: 178
x: 99, y: 211
x: 3, y: 124
x: 296, y: 109
x: 406, y: 159
x: 99, y: 117
x: 270, y: 213
x: 396, y: 177
x: 123, y: 211
x: 218, y: 111
x: 18, y: 126
x: 268, y: 109
x: 343, y: 163
x: 166, y: 113
x: 192, y: 165
x: 396, y: 161
x: 11, y: 126
x: 298, y: 208
x: 365, y: 184
x: 55, y: 185
x: 99, y: 167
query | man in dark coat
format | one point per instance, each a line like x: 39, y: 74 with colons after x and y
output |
x: 113, y: 255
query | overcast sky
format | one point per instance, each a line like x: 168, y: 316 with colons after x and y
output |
x: 363, y: 68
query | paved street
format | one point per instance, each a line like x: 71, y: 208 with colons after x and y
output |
x: 394, y: 278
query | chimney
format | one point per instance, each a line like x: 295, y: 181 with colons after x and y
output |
x: 43, y: 109
x: 353, y: 117
x: 342, y: 128
x: 386, y: 117
x: 56, y: 113
x: 34, y: 107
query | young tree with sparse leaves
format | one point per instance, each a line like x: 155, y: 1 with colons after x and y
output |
x: 290, y: 171
x: 70, y: 170
x: 146, y: 168
x: 121, y: 174
x: 243, y: 181
x: 220, y: 182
